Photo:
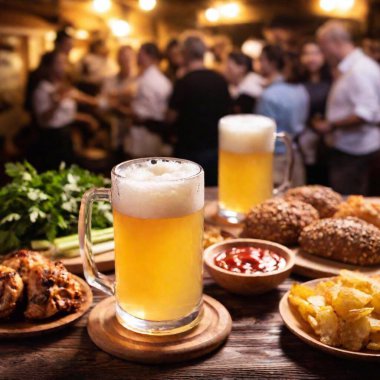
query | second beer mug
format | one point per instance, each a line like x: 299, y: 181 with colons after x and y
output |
x: 158, y: 227
x: 246, y: 146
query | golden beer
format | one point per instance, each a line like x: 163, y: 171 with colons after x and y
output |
x: 246, y: 144
x: 244, y: 180
x: 158, y: 230
x: 158, y: 265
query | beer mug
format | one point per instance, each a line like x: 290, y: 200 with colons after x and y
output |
x: 246, y: 146
x: 158, y: 230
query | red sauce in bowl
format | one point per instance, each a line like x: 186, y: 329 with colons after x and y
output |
x: 249, y: 260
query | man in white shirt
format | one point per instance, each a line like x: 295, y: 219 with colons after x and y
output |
x: 149, y: 105
x: 352, y: 120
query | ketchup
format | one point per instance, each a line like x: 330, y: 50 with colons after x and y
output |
x: 248, y: 260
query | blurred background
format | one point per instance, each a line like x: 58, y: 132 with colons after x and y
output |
x: 90, y: 33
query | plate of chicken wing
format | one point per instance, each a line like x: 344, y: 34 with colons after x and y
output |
x: 38, y: 295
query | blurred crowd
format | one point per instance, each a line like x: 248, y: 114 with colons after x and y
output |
x: 325, y: 94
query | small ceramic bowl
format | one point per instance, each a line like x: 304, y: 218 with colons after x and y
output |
x: 240, y: 283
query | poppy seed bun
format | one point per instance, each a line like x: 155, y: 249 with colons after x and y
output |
x: 323, y: 199
x: 279, y: 220
x: 349, y: 240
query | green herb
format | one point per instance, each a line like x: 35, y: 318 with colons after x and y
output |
x: 44, y: 206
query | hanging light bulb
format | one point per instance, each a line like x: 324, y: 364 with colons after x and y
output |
x: 119, y: 28
x: 328, y: 5
x: 230, y: 10
x: 101, y: 6
x: 147, y: 5
x: 212, y: 14
x: 345, y: 5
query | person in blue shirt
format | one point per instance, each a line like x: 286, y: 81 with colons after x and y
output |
x: 287, y: 104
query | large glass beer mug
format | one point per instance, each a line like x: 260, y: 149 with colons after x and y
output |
x: 158, y: 229
x: 246, y: 146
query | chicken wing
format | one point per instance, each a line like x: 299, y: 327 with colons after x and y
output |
x: 51, y: 289
x: 23, y: 261
x: 11, y: 287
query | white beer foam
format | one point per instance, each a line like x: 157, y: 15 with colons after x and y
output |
x: 247, y: 134
x: 158, y: 188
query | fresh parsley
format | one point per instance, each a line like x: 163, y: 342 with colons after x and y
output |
x: 46, y: 205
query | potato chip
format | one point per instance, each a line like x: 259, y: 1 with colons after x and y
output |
x: 302, y: 291
x: 343, y: 311
x: 348, y: 299
x: 375, y: 302
x: 375, y: 325
x: 328, y: 289
x: 373, y: 346
x: 354, y: 334
x: 317, y: 301
x: 374, y: 341
x: 305, y: 308
x: 356, y: 280
x: 355, y: 314
x: 328, y: 326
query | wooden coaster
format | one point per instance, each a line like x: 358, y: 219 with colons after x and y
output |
x: 106, y: 332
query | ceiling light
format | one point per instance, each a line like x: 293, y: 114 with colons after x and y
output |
x: 230, y: 10
x: 101, y: 6
x: 252, y: 48
x: 328, y: 5
x: 212, y: 15
x: 81, y: 34
x: 147, y: 5
x: 345, y: 5
x: 119, y: 28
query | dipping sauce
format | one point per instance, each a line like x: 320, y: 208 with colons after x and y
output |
x: 248, y: 260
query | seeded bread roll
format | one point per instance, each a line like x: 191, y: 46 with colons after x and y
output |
x: 323, y: 199
x: 279, y: 220
x: 348, y: 240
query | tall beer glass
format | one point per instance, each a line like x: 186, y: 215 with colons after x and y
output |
x: 246, y: 145
x: 158, y: 226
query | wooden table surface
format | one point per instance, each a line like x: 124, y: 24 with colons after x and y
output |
x: 259, y: 346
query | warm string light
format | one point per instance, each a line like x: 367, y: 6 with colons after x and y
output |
x: 340, y: 5
x: 222, y: 11
x: 119, y: 28
x: 147, y: 5
x: 101, y: 6
x: 212, y: 14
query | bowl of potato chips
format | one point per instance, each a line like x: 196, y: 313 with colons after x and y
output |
x: 340, y: 315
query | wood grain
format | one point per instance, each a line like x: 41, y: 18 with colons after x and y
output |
x: 105, y: 262
x: 212, y: 330
x: 259, y: 347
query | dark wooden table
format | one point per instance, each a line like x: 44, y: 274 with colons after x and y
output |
x: 259, y: 346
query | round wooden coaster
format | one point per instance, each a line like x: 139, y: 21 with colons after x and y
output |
x: 106, y: 332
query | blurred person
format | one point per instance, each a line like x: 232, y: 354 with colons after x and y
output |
x: 148, y: 136
x: 63, y: 43
x: 117, y: 93
x: 353, y: 111
x: 54, y: 104
x: 287, y: 104
x: 315, y: 75
x: 220, y: 49
x: 245, y: 85
x: 175, y: 64
x: 200, y: 98
x: 95, y: 67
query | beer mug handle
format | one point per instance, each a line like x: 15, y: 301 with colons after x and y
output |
x: 286, y: 182
x: 91, y: 273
